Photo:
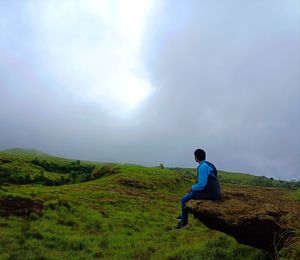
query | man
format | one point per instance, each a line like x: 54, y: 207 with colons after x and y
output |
x: 206, y: 187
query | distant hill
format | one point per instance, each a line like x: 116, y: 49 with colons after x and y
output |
x: 253, y: 180
x: 60, y: 165
x: 245, y: 179
x: 27, y: 152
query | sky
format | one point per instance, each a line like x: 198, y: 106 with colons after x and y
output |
x: 149, y: 81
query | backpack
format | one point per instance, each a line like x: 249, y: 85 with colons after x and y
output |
x: 214, y: 171
x: 212, y: 188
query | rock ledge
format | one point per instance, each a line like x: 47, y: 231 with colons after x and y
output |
x: 263, y: 218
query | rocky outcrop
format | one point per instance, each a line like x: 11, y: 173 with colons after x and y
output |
x: 259, y: 217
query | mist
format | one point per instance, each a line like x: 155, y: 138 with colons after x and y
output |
x: 148, y: 82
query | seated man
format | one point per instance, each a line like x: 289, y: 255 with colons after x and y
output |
x: 207, y: 186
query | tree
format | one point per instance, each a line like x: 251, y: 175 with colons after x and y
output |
x: 161, y: 166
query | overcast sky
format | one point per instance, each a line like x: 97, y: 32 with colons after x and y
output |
x: 149, y: 81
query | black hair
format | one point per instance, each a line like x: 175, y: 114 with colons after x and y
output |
x: 200, y: 154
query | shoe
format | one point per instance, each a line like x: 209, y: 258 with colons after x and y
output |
x: 181, y: 225
x: 178, y: 218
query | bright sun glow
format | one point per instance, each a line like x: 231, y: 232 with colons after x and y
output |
x: 95, y: 47
x: 129, y: 90
x: 125, y: 98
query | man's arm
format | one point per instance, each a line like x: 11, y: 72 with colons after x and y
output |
x: 203, y: 172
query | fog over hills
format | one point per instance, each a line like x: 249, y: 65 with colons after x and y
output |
x: 148, y: 82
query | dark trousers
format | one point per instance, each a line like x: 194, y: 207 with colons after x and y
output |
x: 200, y: 194
x: 184, y: 213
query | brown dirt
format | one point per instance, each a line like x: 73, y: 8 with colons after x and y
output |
x: 5, y: 160
x: 254, y: 216
x: 135, y: 183
x: 107, y: 200
x: 17, y: 206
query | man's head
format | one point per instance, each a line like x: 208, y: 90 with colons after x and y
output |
x: 199, y: 155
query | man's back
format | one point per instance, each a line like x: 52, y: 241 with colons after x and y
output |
x: 211, y: 186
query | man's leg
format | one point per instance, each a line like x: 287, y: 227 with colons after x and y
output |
x: 184, y: 213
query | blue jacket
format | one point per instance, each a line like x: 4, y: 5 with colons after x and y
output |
x: 203, y: 171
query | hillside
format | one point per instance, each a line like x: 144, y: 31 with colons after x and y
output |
x: 96, y: 210
x: 246, y: 179
x: 25, y: 152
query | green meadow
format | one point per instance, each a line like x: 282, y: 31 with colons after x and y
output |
x: 93, y: 210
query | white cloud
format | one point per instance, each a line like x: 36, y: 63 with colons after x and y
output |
x: 226, y: 76
x: 92, y: 48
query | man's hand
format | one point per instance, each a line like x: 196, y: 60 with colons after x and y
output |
x: 189, y: 190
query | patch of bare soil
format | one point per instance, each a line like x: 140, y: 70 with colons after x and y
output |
x: 17, y: 206
x: 135, y: 183
x: 259, y: 217
x: 5, y: 160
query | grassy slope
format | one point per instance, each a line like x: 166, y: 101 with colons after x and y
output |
x: 128, y: 215
x: 228, y: 177
x: 19, y: 164
x: 25, y: 152
x: 247, y: 179
x: 296, y: 194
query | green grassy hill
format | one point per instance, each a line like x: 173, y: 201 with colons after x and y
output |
x: 20, y: 166
x: 97, y: 210
x: 246, y: 179
x: 25, y: 152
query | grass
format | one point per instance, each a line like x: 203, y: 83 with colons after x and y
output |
x: 25, y: 152
x: 296, y: 195
x: 125, y: 214
x: 246, y: 179
x: 80, y: 232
